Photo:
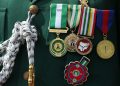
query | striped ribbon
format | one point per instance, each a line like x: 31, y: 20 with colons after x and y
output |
x: 87, y: 21
x: 73, y: 15
x: 58, y: 17
x: 104, y: 20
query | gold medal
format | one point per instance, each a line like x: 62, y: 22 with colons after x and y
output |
x: 70, y: 42
x: 105, y: 49
x: 57, y: 48
x: 58, y: 25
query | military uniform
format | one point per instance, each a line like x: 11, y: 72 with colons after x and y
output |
x: 49, y: 71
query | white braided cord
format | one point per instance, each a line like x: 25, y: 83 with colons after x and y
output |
x: 22, y: 31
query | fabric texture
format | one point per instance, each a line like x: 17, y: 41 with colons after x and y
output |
x: 2, y: 23
x: 73, y: 16
x: 58, y: 18
x: 49, y: 71
x: 87, y: 21
x: 105, y: 20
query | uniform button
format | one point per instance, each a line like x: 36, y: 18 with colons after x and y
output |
x: 33, y: 9
x: 25, y: 75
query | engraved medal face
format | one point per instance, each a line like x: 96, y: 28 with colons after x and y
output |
x: 75, y: 73
x: 57, y: 48
x: 105, y: 49
x: 84, y: 46
x: 70, y: 42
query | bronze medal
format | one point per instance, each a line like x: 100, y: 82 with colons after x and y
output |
x: 84, y: 46
x: 70, y: 42
x: 105, y: 49
x: 73, y: 22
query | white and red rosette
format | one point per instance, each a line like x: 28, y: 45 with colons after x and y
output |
x: 76, y: 73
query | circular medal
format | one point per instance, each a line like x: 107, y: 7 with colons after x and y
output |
x: 105, y: 49
x: 57, y: 48
x: 70, y: 42
x: 84, y: 46
x: 75, y: 73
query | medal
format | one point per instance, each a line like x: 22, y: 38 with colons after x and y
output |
x: 57, y: 47
x: 84, y: 46
x: 58, y: 22
x: 70, y: 42
x: 73, y: 21
x: 86, y: 29
x: 76, y: 73
x: 105, y: 48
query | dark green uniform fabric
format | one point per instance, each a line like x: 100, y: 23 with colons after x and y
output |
x: 49, y: 71
x: 2, y: 21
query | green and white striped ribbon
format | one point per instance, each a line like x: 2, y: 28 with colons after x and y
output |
x: 73, y: 16
x: 58, y: 17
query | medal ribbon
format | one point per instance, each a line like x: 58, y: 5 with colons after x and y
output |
x: 104, y: 20
x: 58, y: 17
x: 87, y: 21
x: 84, y: 61
x: 73, y: 15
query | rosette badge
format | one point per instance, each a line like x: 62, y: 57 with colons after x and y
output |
x: 76, y: 73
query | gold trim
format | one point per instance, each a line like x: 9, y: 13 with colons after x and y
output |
x: 58, y: 30
x: 89, y: 37
x: 31, y: 76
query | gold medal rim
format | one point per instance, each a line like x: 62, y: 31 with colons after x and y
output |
x: 101, y: 44
x: 50, y: 48
x: 89, y: 51
x: 66, y: 42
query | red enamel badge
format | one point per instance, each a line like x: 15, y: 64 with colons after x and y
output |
x: 84, y: 46
x: 76, y: 73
